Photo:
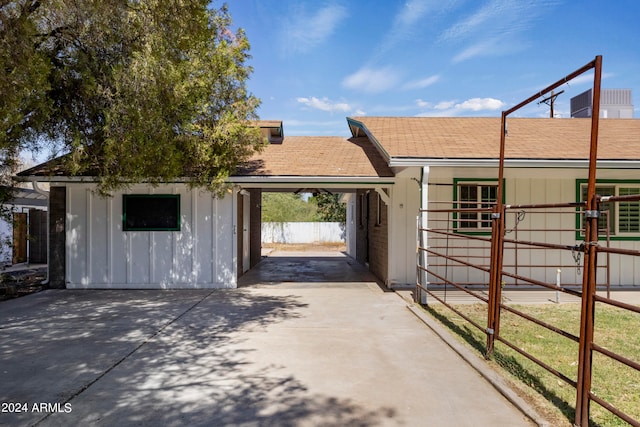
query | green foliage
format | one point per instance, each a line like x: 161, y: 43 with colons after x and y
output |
x: 287, y: 207
x: 137, y: 90
x: 330, y: 209
x: 23, y: 85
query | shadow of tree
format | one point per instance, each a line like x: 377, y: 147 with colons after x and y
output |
x: 159, y: 358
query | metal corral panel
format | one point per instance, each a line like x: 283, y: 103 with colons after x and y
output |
x: 101, y: 255
x: 532, y: 186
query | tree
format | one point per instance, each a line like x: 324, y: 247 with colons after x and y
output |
x: 131, y: 90
x: 287, y: 207
x: 330, y: 209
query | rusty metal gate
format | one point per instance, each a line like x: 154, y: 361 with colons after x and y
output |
x: 441, y: 250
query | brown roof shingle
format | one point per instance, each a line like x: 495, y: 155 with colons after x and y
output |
x: 317, y: 156
x: 479, y: 137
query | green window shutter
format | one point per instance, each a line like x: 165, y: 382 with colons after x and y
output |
x: 629, y: 212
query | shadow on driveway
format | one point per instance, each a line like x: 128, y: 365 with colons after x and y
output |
x: 168, y: 358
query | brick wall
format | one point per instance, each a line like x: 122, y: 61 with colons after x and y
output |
x: 372, y: 238
x: 57, y: 237
x: 378, y: 237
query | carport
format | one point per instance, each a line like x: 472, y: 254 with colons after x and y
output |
x: 348, y: 166
x: 172, y: 236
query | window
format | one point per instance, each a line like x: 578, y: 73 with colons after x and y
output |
x: 608, y: 209
x: 379, y: 211
x: 474, y: 196
x: 623, y: 217
x: 629, y: 212
x: 151, y: 212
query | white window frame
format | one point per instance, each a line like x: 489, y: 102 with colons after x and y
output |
x: 482, y: 219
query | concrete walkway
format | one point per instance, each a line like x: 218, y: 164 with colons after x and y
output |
x: 288, y: 354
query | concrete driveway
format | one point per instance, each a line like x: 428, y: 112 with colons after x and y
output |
x: 293, y: 354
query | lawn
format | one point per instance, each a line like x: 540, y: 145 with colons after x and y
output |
x: 615, y: 329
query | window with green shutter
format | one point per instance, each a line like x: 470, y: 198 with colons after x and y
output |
x: 474, y: 195
x: 623, y: 218
x: 629, y: 212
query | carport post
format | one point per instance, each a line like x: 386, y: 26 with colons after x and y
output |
x: 422, y: 233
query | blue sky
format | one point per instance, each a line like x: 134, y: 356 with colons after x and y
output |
x: 317, y: 62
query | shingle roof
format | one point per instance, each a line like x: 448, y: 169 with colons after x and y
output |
x: 479, y: 137
x: 428, y: 138
x: 317, y: 156
x: 294, y: 156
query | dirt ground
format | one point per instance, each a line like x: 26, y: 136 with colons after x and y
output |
x: 301, y: 247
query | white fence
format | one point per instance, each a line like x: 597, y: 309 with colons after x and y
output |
x: 303, y: 232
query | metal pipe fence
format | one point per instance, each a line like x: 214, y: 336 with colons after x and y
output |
x: 479, y: 249
x: 451, y: 255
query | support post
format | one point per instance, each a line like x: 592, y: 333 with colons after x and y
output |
x: 497, y: 250
x: 585, y: 358
x: 422, y: 226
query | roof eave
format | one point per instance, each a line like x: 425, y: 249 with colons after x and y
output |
x: 512, y: 163
x: 247, y: 179
x: 285, y: 179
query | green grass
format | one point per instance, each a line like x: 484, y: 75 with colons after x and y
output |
x: 615, y: 329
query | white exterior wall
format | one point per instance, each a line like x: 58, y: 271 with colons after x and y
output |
x: 403, y: 211
x: 350, y: 201
x: 534, y: 186
x: 101, y: 255
x: 303, y: 232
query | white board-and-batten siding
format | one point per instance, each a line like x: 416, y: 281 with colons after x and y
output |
x: 533, y: 186
x: 99, y: 254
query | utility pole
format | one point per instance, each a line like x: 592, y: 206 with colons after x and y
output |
x: 550, y: 101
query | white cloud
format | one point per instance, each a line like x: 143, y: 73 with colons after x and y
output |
x: 454, y: 108
x: 324, y: 104
x: 480, y: 104
x: 485, y: 15
x: 444, y: 105
x: 408, y: 18
x: 482, y: 48
x: 422, y: 83
x: 302, y: 31
x: 372, y: 80
x: 413, y: 11
x: 494, y: 27
x: 587, y: 78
